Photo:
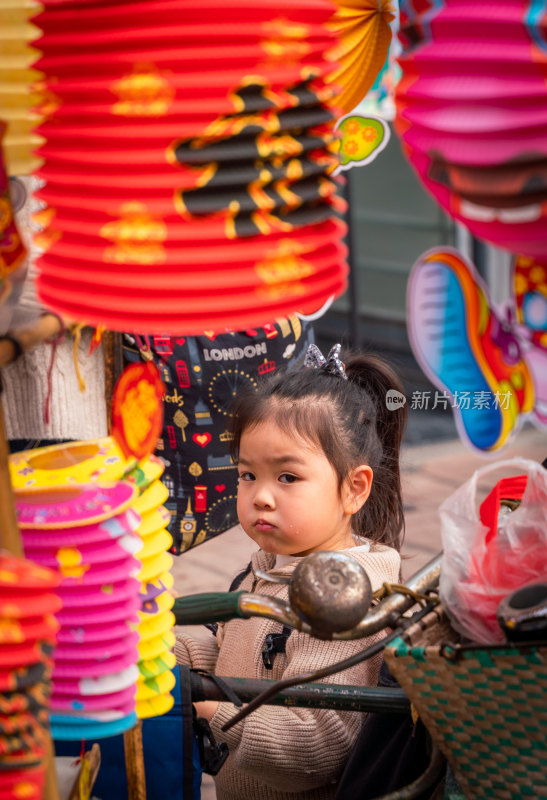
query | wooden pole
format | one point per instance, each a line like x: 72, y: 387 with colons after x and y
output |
x: 10, y: 540
x: 113, y: 367
x: 134, y: 763
x: 51, y: 787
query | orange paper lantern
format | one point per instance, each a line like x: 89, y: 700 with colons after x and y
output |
x: 187, y: 163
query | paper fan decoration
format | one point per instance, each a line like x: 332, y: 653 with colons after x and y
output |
x: 28, y: 634
x: 18, y: 76
x: 363, y: 38
x: 187, y: 162
x: 472, y: 114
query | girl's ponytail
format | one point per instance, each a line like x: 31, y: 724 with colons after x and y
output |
x: 382, y: 517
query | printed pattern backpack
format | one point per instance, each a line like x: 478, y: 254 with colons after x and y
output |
x: 202, y: 374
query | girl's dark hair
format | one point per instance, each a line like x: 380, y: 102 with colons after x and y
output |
x: 350, y: 421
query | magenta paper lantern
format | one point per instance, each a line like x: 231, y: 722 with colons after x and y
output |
x: 472, y: 114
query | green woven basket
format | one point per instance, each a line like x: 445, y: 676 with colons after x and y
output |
x: 484, y: 706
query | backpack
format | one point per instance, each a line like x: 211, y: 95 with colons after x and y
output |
x: 200, y: 374
x: 390, y: 752
x: 274, y: 642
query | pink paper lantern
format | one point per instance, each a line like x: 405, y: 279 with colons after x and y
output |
x: 472, y: 114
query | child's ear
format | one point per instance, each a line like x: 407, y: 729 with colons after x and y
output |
x: 357, y: 488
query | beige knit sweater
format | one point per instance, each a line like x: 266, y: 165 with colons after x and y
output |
x: 284, y: 753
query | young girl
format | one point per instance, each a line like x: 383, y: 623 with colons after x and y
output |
x: 318, y: 459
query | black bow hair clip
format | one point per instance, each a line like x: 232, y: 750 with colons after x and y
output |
x: 331, y: 365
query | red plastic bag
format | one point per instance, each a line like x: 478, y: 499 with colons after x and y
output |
x: 486, y: 557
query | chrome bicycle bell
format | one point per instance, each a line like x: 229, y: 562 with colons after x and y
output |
x: 330, y: 591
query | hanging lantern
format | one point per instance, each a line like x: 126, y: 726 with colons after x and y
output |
x: 364, y: 36
x: 156, y: 639
x: 18, y: 75
x: 68, y: 463
x: 86, y: 533
x: 472, y: 114
x: 187, y: 162
x: 107, y: 540
x: 27, y: 638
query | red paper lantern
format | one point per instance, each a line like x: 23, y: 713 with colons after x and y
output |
x: 28, y: 598
x: 187, y: 159
x: 472, y: 114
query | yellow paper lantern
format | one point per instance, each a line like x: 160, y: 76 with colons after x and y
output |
x: 18, y: 95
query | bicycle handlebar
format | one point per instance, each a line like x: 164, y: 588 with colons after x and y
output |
x: 211, y: 607
x: 391, y: 700
x: 201, y: 609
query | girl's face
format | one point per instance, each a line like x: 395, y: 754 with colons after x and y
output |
x: 288, y: 499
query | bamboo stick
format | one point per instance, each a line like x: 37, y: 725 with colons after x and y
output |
x: 10, y: 537
x: 134, y: 763
x: 51, y: 787
x: 113, y: 367
x: 93, y: 760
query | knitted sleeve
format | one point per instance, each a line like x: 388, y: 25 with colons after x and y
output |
x: 196, y: 653
x: 298, y: 749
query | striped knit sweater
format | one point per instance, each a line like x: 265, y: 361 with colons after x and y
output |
x: 285, y: 753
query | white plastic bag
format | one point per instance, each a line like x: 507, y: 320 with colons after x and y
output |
x: 481, y: 566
